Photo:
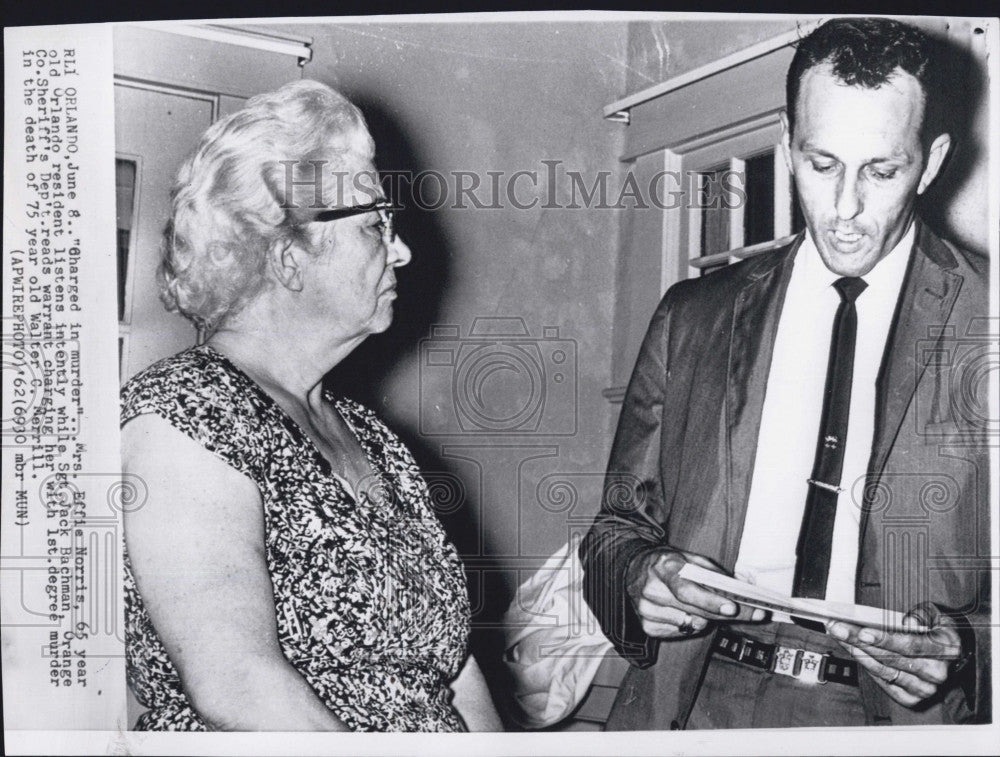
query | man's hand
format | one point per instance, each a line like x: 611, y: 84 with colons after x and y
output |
x: 672, y: 607
x: 909, y: 666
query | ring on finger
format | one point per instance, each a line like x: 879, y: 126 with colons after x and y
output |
x: 895, y: 676
x: 686, y: 626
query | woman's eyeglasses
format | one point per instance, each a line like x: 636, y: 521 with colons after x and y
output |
x: 385, y: 209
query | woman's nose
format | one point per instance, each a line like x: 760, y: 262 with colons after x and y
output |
x: 399, y: 252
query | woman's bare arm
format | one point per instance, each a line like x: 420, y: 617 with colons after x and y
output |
x: 473, y: 700
x: 197, y: 552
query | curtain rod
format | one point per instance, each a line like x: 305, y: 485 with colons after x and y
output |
x: 274, y: 43
x: 618, y: 110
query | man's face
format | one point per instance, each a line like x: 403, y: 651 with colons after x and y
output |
x: 858, y: 165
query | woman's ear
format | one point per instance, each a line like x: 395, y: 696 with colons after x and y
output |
x: 285, y: 257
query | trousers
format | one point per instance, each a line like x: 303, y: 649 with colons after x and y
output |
x: 736, y: 695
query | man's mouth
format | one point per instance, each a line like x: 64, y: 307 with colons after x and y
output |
x: 846, y: 241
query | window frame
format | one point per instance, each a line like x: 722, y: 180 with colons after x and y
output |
x: 125, y: 323
x: 764, y: 138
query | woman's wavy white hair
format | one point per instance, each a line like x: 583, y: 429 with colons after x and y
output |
x: 232, y: 196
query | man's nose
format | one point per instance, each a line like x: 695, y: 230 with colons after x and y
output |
x: 399, y: 252
x: 849, y: 200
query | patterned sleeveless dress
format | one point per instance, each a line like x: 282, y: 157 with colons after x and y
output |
x: 370, y: 597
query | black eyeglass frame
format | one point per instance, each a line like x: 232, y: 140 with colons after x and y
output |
x: 385, y: 208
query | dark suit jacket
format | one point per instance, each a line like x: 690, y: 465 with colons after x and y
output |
x: 682, y: 460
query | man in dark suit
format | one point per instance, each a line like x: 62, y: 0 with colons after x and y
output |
x: 785, y: 425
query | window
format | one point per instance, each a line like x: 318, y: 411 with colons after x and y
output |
x: 125, y: 185
x: 742, y: 202
x: 714, y: 201
x: 125, y: 171
x: 758, y: 184
x: 740, y: 193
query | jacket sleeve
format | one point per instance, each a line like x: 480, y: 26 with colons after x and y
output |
x: 973, y: 674
x: 630, y: 521
x: 974, y: 621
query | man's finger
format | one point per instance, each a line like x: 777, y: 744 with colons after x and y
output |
x: 704, y: 600
x: 659, y: 630
x: 931, y: 670
x: 657, y: 591
x: 942, y: 643
x: 673, y: 615
x: 939, y: 643
x: 691, y: 596
x: 904, y: 687
x: 744, y: 613
x: 926, y: 615
x: 666, y: 588
x: 657, y: 603
x: 748, y: 614
x: 670, y: 630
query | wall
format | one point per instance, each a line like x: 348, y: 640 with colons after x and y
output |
x: 660, y: 50
x: 476, y: 98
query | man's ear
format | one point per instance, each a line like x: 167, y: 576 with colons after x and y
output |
x: 786, y: 141
x: 284, y: 257
x: 935, y: 158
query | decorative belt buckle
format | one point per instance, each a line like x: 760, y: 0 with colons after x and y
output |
x: 784, y: 661
x: 799, y: 664
x: 812, y: 668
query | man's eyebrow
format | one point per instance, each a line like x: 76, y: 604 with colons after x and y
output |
x: 811, y: 148
x: 899, y: 156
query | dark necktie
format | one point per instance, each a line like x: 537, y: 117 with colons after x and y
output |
x: 812, y: 562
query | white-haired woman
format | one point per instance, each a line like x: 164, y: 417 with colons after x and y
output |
x: 287, y: 571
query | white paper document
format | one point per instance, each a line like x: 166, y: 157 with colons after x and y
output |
x: 809, y: 609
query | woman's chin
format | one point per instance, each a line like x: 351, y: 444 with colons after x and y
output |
x: 382, y: 320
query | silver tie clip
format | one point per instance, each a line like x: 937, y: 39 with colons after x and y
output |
x: 824, y: 485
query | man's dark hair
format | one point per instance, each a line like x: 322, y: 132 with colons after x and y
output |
x: 863, y: 52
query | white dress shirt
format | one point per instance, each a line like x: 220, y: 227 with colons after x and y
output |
x: 793, y: 404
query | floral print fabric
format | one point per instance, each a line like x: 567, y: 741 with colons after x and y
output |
x: 371, y: 602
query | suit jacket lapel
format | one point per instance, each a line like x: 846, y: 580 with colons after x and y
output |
x: 928, y: 295
x: 756, y: 311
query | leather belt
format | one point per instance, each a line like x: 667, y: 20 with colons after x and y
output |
x: 801, y: 664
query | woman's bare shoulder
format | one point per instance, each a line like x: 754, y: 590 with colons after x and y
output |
x: 180, y: 473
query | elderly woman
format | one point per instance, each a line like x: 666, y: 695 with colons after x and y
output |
x: 287, y: 572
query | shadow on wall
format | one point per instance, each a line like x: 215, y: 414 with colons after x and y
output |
x: 421, y: 283
x: 363, y: 374
x: 961, y: 86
